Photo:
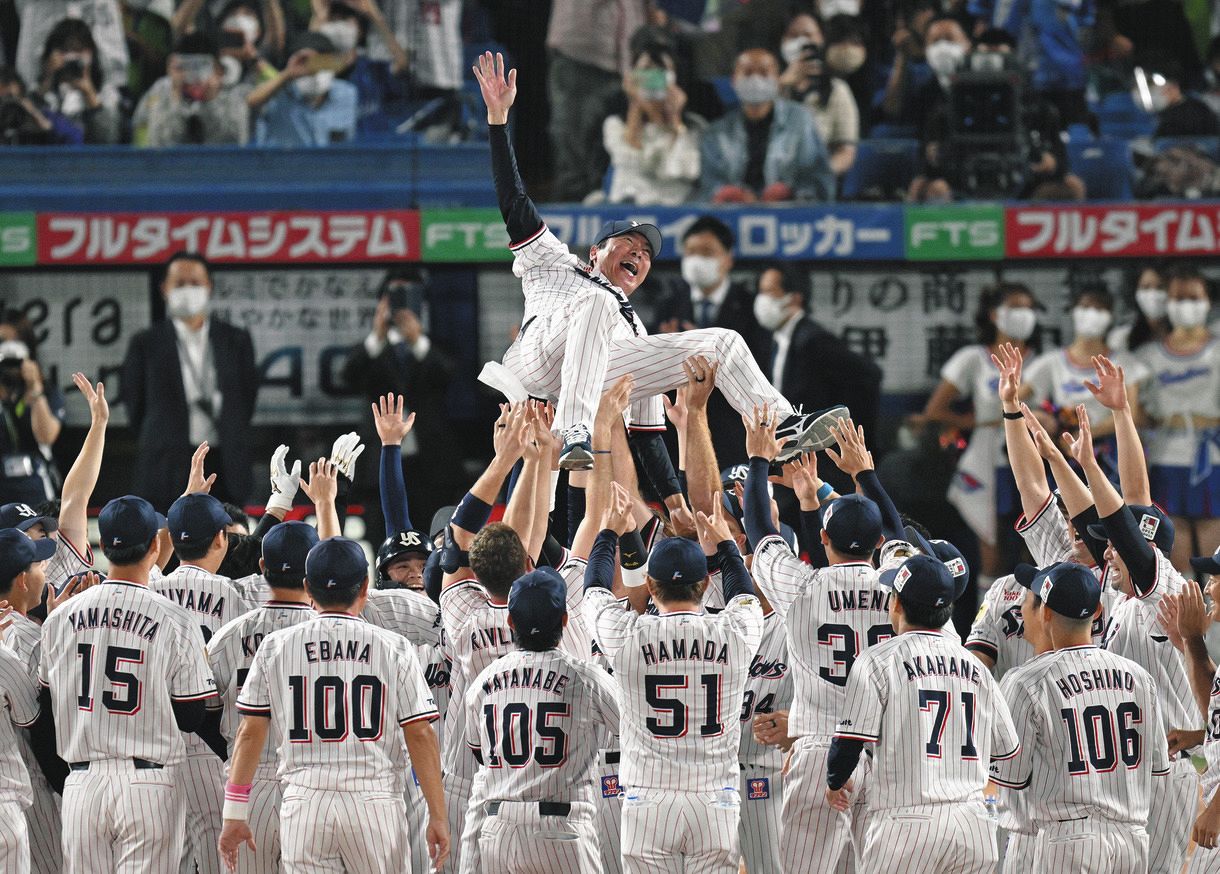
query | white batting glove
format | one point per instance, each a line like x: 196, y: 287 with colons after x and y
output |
x: 284, y: 482
x: 344, y: 453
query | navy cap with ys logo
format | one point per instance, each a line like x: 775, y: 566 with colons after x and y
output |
x: 651, y: 233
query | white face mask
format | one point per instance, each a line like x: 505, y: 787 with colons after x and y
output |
x: 790, y: 49
x: 232, y: 71
x: 831, y: 8
x: 1151, y: 302
x: 945, y: 56
x: 753, y: 90
x: 247, y: 24
x: 1016, y: 322
x: 316, y: 85
x: 701, y: 271
x: 771, y: 312
x: 1090, y: 321
x: 1188, y: 313
x: 187, y: 301
x: 344, y: 34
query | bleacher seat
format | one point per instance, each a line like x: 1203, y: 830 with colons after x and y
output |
x: 1104, y: 165
x: 883, y: 169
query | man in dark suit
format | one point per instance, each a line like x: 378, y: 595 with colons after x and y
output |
x: 187, y: 380
x: 706, y: 297
x: 808, y: 364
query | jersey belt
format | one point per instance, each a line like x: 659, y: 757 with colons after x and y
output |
x: 140, y: 765
x: 545, y: 808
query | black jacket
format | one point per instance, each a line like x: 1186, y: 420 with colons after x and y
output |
x: 821, y: 371
x: 155, y: 398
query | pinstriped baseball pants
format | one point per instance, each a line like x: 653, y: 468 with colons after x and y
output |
x: 818, y: 838
x: 264, y: 821
x: 1171, y: 814
x: 1092, y: 846
x: 935, y: 838
x: 336, y: 832
x: 1020, y: 853
x: 518, y: 840
x: 609, y: 813
x: 43, y: 820
x: 202, y: 782
x: 679, y: 833
x: 14, y: 839
x: 760, y: 819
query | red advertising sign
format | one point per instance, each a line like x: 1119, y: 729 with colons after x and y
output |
x: 229, y: 237
x: 1112, y: 231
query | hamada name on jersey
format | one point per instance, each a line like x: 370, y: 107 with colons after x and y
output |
x: 114, y: 657
x: 231, y: 652
x: 1091, y: 736
x: 337, y: 690
x: 935, y: 715
x: 682, y: 677
x: 538, y: 720
x: 768, y: 689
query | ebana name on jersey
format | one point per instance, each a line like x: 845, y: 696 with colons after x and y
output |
x: 115, y: 617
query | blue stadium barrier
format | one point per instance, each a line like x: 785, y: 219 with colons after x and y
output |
x: 887, y: 166
x: 1104, y: 165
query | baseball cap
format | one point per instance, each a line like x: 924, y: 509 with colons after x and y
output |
x: 1156, y: 527
x: 1068, y: 588
x: 955, y: 562
x: 1207, y: 564
x: 537, y: 601
x: 616, y: 229
x: 196, y: 518
x: 23, y: 517
x: 676, y: 559
x: 336, y: 563
x: 734, y: 473
x: 440, y: 519
x: 286, y: 545
x: 128, y: 521
x: 923, y: 580
x: 18, y: 552
x: 853, y: 524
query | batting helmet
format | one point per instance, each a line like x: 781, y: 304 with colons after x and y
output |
x: 400, y: 545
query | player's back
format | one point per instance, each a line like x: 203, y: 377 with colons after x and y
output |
x: 934, y: 735
x: 18, y: 708
x: 231, y: 651
x: 682, y: 677
x: 998, y: 631
x: 337, y: 690
x: 768, y: 689
x: 1094, y: 714
x: 539, y: 719
x: 211, y: 599
x: 114, y: 657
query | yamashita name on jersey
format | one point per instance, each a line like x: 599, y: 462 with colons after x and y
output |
x: 115, y: 617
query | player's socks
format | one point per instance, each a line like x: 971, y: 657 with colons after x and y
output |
x: 577, y: 449
x: 809, y: 432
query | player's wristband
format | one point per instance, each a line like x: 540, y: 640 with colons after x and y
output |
x: 1013, y: 417
x: 824, y: 491
x: 631, y: 551
x: 237, y: 801
x: 633, y: 578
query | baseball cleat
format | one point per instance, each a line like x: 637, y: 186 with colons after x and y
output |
x: 809, y: 432
x: 577, y: 451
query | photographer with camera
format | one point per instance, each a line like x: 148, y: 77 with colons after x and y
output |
x: 305, y: 105
x: 807, y: 80
x: 70, y: 82
x: 191, y: 105
x: 32, y: 412
x: 24, y: 123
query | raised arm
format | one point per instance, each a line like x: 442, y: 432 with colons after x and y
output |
x: 521, y: 513
x: 82, y: 477
x: 702, y: 472
x: 1111, y: 391
x: 1193, y: 622
x: 392, y: 427
x: 763, y: 449
x: 499, y: 91
x: 1023, y: 457
x: 322, y: 488
x: 854, y: 459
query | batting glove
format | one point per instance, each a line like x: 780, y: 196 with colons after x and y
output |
x: 344, y: 453
x: 284, y: 482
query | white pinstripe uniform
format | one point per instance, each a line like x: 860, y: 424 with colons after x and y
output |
x: 478, y: 634
x: 66, y: 561
x: 213, y: 601
x: 768, y: 689
x: 114, y: 657
x: 566, y: 307
x: 18, y: 708
x: 417, y: 618
x: 231, y: 653
x: 336, y: 690
x: 936, y: 717
x: 682, y: 677
x: 254, y: 589
x: 1092, y: 739
x: 832, y: 615
x: 1208, y: 861
x: 538, y: 720
x: 1135, y: 633
x: 24, y: 638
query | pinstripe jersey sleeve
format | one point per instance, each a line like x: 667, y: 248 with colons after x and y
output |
x: 255, y: 696
x: 781, y: 575
x: 607, y: 619
x: 414, y: 701
x: 20, y: 693
x: 1015, y: 771
x: 744, y: 614
x: 865, y: 701
x: 458, y: 604
x: 1046, y: 534
x: 1158, y: 741
x: 539, y: 252
x: 411, y: 614
x: 1005, y: 739
x: 603, y: 699
x: 191, y: 677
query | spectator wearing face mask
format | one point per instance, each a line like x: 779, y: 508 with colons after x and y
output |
x: 23, y: 122
x: 347, y: 24
x: 95, y: 39
x: 1148, y: 300
x: 191, y: 105
x: 807, y: 80
x: 189, y: 380
x: 71, y: 82
x: 768, y: 149
x: 243, y: 39
x: 305, y: 105
x: 1178, y: 114
x: 653, y: 144
x: 847, y: 58
x: 33, y: 412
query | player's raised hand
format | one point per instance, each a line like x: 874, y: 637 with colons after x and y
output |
x: 234, y: 833
x: 802, y: 475
x: 511, y: 431
x: 438, y: 843
x: 615, y: 400
x: 1193, y: 618
x: 196, y: 482
x: 284, y: 482
x: 1008, y: 361
x: 1081, y: 446
x: 677, y: 411
x: 344, y: 453
x: 853, y: 456
x: 391, y: 426
x: 76, y: 584
x: 99, y: 409
x: 713, y: 530
x: 760, y: 434
x: 1167, y: 618
x: 322, y: 487
x: 499, y: 90
x: 618, y: 516
x: 700, y: 380
x: 1111, y: 386
x: 1042, y: 440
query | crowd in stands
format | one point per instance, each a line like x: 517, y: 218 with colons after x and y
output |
x: 656, y: 101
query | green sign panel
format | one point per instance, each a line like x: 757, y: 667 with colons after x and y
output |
x: 972, y: 232
x: 18, y: 239
x: 474, y: 235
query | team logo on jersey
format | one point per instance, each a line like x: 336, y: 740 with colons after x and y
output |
x: 759, y: 789
x: 610, y: 787
x: 767, y: 670
x: 956, y: 566
x: 1149, y: 525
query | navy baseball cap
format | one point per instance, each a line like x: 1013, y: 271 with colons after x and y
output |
x: 734, y: 473
x: 923, y: 580
x: 651, y: 233
x: 440, y: 519
x: 1068, y: 588
x: 677, y: 560
x: 537, y: 601
x: 129, y: 521
x: 1156, y: 527
x: 18, y: 552
x: 23, y: 517
x: 853, y: 524
x: 196, y: 518
x: 1207, y: 564
x: 286, y: 545
x: 336, y: 563
x: 954, y: 561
